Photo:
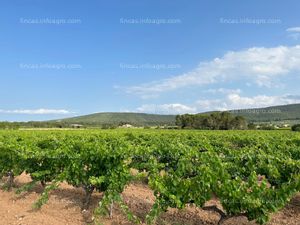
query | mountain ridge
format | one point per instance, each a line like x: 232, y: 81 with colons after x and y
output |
x: 117, y: 118
x: 288, y: 112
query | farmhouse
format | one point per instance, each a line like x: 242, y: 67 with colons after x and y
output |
x: 76, y: 125
x: 127, y: 125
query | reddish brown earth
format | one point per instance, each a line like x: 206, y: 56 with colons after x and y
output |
x: 64, y: 208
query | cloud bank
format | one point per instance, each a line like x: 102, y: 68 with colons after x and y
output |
x: 232, y: 101
x: 261, y: 66
x: 236, y: 101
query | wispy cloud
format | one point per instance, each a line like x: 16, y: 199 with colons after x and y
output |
x: 37, y: 111
x: 293, y: 29
x: 294, y: 32
x: 223, y: 91
x: 261, y: 66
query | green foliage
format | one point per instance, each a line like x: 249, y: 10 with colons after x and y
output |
x: 27, y: 187
x: 213, y: 121
x: 252, y: 173
x: 251, y: 126
x: 296, y: 127
x: 45, y: 195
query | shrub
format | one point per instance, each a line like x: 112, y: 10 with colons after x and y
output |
x: 296, y: 127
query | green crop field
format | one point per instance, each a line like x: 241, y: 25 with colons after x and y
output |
x: 252, y: 173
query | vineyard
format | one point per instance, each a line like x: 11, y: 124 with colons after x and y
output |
x: 252, y: 173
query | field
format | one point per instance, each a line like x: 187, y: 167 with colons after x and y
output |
x: 150, y: 176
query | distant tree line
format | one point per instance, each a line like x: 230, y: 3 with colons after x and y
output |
x: 9, y: 125
x: 33, y: 124
x: 213, y: 121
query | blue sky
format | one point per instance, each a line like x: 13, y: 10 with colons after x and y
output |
x: 67, y: 58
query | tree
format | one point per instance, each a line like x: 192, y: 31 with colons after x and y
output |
x: 239, y: 123
x: 296, y: 127
x: 213, y: 121
x: 251, y: 126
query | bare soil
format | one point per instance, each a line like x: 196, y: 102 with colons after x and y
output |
x: 65, y: 203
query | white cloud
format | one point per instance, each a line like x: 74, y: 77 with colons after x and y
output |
x: 236, y: 101
x: 211, y: 105
x: 175, y: 108
x: 231, y: 101
x: 259, y: 65
x: 293, y: 29
x: 294, y: 32
x: 36, y: 111
x: 223, y: 91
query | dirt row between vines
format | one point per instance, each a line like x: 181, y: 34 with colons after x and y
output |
x: 64, y: 208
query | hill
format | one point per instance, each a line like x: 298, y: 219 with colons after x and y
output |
x: 270, y: 114
x: 137, y: 119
